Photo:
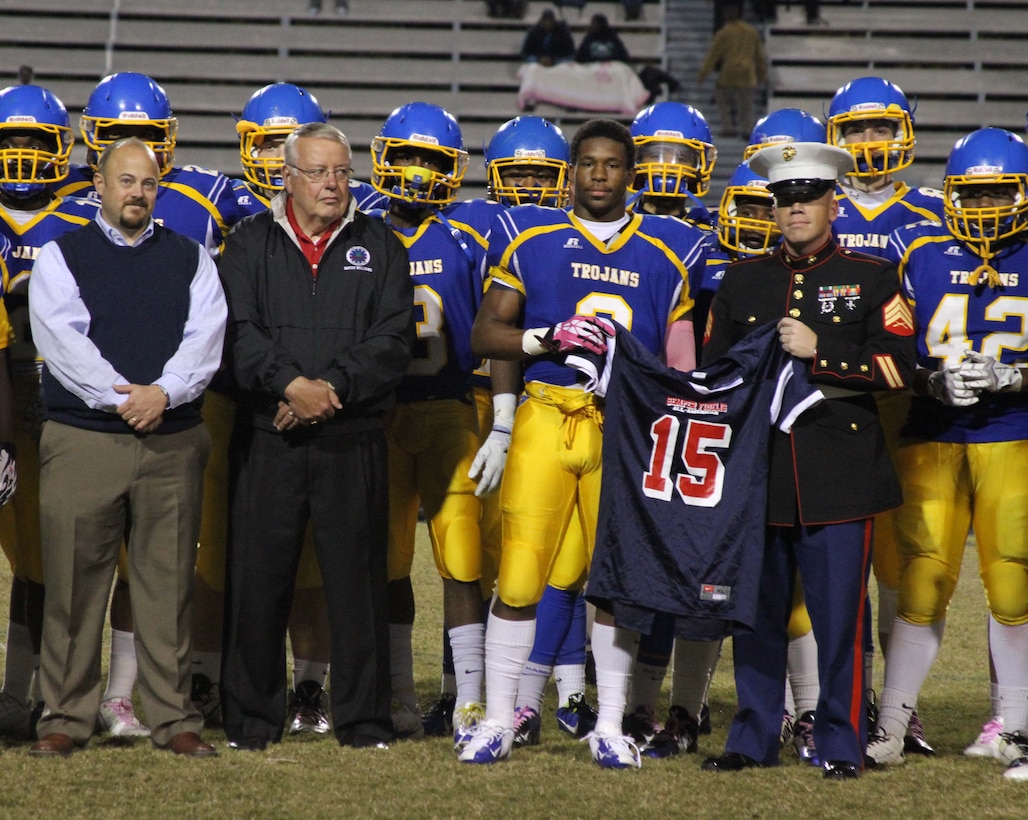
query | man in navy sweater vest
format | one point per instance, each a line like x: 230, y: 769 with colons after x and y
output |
x: 130, y: 320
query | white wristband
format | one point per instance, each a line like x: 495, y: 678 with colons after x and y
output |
x: 530, y: 341
x: 504, y: 407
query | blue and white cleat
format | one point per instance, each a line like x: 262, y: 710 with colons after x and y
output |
x: 488, y: 743
x: 614, y: 751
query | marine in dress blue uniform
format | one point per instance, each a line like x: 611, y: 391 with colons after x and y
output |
x: 842, y: 312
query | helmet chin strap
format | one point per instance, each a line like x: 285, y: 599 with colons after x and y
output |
x: 985, y: 269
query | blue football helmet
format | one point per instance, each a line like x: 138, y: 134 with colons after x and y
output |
x: 122, y: 104
x: 273, y: 112
x: 986, y: 159
x: 747, y: 235
x: 528, y: 142
x: 783, y: 126
x: 872, y: 98
x: 419, y: 127
x: 34, y: 112
x: 675, y: 151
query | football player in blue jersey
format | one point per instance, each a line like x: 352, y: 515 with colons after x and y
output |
x: 873, y: 120
x: 419, y: 162
x: 784, y: 126
x: 271, y: 115
x: 962, y: 459
x: 556, y: 276
x: 745, y: 226
x: 35, y: 149
x: 193, y: 201
x: 12, y: 708
x: 527, y: 163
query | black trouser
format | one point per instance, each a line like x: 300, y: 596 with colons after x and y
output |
x: 338, y: 483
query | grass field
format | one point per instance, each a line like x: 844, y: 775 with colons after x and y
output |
x: 315, y: 777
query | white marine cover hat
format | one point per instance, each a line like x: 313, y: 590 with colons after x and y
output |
x: 801, y: 164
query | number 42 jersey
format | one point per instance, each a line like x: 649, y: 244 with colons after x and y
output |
x: 684, y: 490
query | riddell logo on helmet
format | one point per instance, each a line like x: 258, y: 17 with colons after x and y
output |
x: 134, y: 115
x: 667, y: 132
x: 272, y: 121
x: 20, y: 118
x: 539, y: 153
x: 983, y: 171
x: 779, y: 139
x: 426, y: 138
x: 866, y: 106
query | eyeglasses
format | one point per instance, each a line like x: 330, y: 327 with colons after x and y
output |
x: 322, y: 174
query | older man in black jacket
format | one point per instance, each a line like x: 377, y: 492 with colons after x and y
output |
x: 320, y: 333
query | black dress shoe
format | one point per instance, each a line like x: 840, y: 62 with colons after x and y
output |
x: 729, y: 762
x: 841, y: 770
x: 249, y: 744
x: 362, y: 741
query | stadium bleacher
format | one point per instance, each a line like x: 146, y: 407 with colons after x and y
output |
x: 210, y: 56
x: 962, y: 60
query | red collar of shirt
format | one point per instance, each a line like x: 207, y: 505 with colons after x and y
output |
x: 311, y: 250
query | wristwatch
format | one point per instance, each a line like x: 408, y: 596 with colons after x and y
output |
x: 167, y: 396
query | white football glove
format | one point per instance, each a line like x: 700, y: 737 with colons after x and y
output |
x: 491, y: 457
x: 8, y: 473
x: 986, y: 374
x: 949, y: 387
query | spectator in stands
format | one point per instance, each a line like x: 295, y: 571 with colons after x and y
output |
x: 813, y: 10
x: 548, y: 42
x: 601, y: 43
x: 514, y: 9
x: 25, y: 75
x: 633, y: 9
x: 737, y: 54
x: 342, y: 7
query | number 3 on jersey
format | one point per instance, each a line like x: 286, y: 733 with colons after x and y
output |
x: 430, y: 352
x: 703, y: 483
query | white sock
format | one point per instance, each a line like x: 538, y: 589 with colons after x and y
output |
x: 122, y: 675
x: 646, y: 683
x: 1009, y: 646
x: 19, y: 664
x: 1013, y: 708
x: 507, y: 647
x: 304, y: 669
x: 912, y: 649
x: 534, y: 678
x: 614, y: 650
x: 803, y: 677
x: 468, y: 646
x: 209, y: 664
x: 570, y: 680
x: 896, y: 708
x: 690, y: 677
x: 888, y: 605
x: 790, y: 702
x: 401, y: 662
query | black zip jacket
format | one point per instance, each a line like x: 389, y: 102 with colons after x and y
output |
x: 352, y: 325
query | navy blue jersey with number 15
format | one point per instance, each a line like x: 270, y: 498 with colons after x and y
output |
x: 684, y: 490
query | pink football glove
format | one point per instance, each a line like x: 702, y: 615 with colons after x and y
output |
x: 588, y: 332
